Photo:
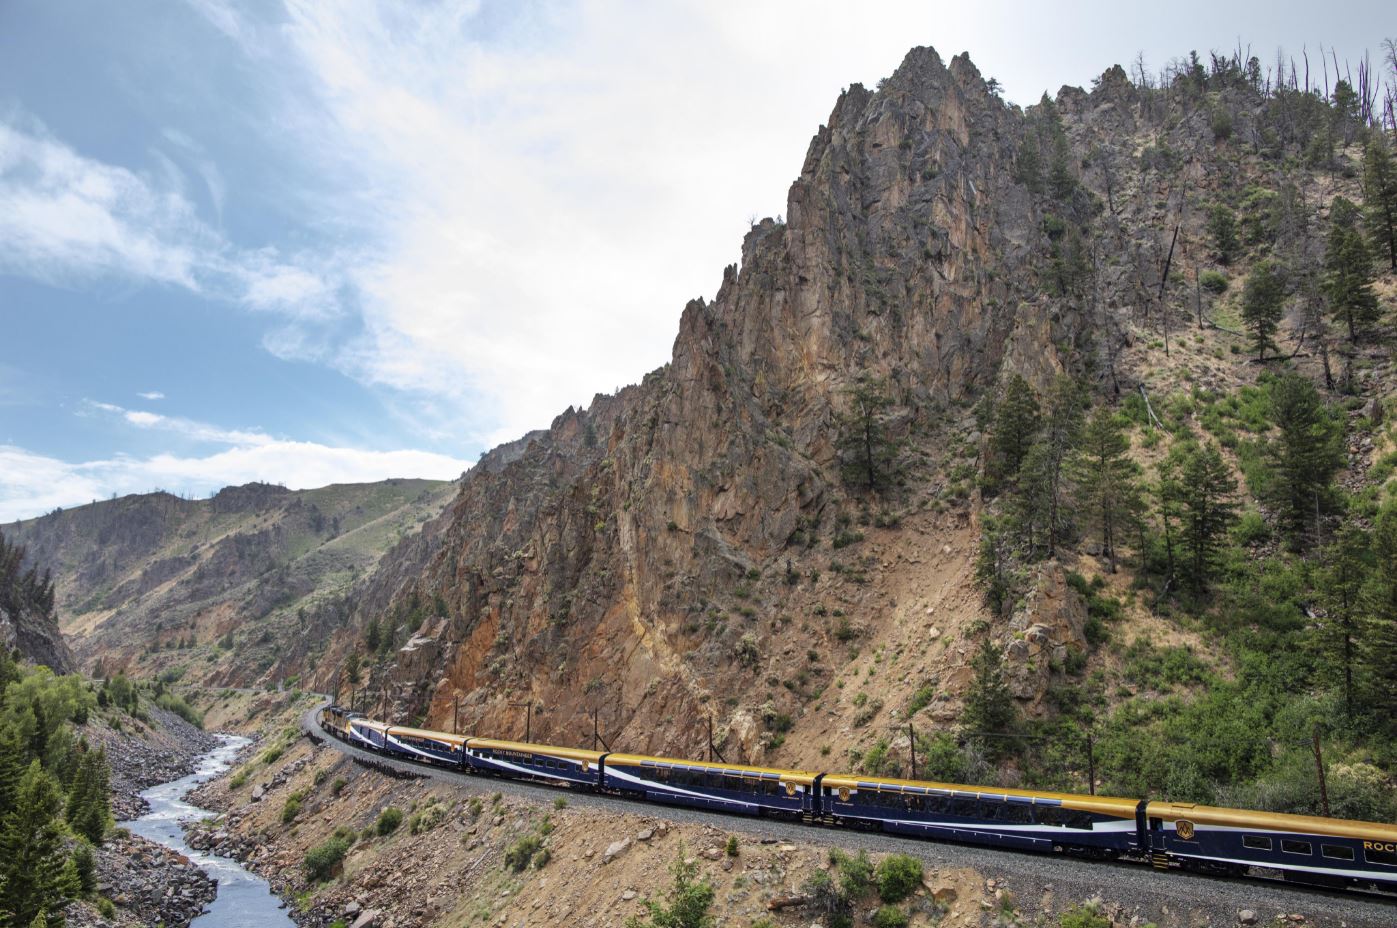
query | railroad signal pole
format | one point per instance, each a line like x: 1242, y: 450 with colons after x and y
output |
x: 713, y: 748
x: 596, y: 731
x: 528, y: 708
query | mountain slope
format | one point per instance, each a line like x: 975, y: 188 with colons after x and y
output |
x: 153, y: 582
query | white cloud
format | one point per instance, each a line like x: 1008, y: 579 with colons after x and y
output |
x: 184, y: 428
x: 65, y: 217
x: 151, y: 395
x: 32, y: 484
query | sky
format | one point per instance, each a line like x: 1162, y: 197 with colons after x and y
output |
x: 306, y: 242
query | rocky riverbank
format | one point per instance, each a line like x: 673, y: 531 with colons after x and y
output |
x: 142, y: 754
x: 148, y: 885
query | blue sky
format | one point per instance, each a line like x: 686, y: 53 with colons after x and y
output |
x: 311, y: 242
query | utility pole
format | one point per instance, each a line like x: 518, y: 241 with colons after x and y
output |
x: 456, y: 713
x: 912, y: 747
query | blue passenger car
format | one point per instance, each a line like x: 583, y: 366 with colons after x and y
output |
x: 726, y: 787
x: 543, y: 762
x: 1025, y: 819
x: 365, y: 732
x: 1305, y: 848
x: 419, y: 744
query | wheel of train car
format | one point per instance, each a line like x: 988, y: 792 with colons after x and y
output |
x: 1213, y: 868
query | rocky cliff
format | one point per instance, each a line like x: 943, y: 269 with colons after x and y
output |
x: 27, y: 620
x: 661, y: 557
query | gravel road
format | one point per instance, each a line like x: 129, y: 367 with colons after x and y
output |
x: 1173, y: 898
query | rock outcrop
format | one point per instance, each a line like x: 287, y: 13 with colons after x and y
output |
x: 594, y: 570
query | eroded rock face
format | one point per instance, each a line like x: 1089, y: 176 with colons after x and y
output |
x: 1051, y: 621
x: 37, y: 638
x: 576, y: 568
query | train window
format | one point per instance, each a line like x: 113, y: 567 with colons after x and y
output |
x: 1256, y: 843
x: 1018, y: 814
x: 1388, y: 857
x: 938, y: 805
x: 1079, y: 820
x: 1336, y: 851
x: 1297, y: 847
x: 964, y: 808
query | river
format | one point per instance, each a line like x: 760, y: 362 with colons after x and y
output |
x: 244, y: 899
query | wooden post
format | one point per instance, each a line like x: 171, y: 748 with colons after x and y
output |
x: 1319, y: 768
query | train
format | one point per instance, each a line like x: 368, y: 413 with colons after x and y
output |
x: 1313, y: 850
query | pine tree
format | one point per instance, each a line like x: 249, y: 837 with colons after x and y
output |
x: 1303, y: 457
x: 1041, y: 501
x: 372, y: 636
x: 1263, y: 301
x: 1198, y: 490
x: 993, y: 565
x: 1380, y: 609
x: 1222, y: 229
x: 1348, y: 271
x: 989, y: 706
x: 1380, y: 197
x: 1341, y: 580
x: 1016, y: 424
x: 89, y: 809
x: 1105, y: 477
x: 36, y: 871
x: 11, y: 768
x: 867, y: 450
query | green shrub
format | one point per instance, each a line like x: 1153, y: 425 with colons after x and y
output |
x: 1213, y: 281
x: 889, y: 916
x: 1083, y: 916
x: 290, y: 810
x: 176, y: 704
x: 921, y: 699
x: 239, y: 780
x: 322, y: 860
x: 425, y: 819
x: 898, y: 877
x: 389, y: 820
x: 518, y: 855
x: 1251, y: 528
x: 338, y: 786
x: 541, y: 858
x: 560, y: 803
x: 855, y: 873
x: 106, y: 908
x: 731, y: 847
